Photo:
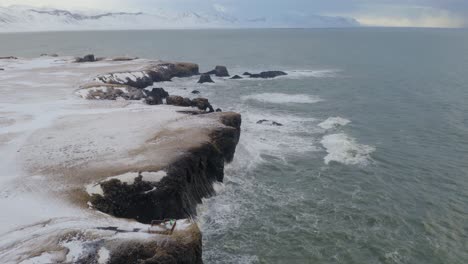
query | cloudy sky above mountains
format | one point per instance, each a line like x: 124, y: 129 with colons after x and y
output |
x: 407, y: 13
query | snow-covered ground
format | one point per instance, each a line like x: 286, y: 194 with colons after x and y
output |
x: 53, y: 144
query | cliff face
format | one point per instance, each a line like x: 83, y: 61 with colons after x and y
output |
x: 189, y: 179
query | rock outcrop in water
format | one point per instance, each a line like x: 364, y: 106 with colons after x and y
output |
x: 205, y: 78
x: 219, y: 71
x: 8, y: 58
x: 268, y: 74
x: 269, y: 122
x: 86, y: 58
x: 166, y: 71
x: 236, y: 77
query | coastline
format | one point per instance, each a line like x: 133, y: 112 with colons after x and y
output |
x: 167, y: 158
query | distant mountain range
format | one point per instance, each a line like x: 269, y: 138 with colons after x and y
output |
x: 22, y: 18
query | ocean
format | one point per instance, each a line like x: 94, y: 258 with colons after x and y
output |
x: 370, y: 164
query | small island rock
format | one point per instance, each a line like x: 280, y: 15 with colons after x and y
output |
x: 219, y: 71
x: 87, y: 58
x: 268, y: 74
x: 269, y: 122
x: 205, y: 78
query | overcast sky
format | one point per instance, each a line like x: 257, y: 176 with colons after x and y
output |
x: 413, y: 13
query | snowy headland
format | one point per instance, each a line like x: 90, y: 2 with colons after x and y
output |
x: 92, y: 155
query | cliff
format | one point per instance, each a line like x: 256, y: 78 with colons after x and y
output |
x: 104, y: 170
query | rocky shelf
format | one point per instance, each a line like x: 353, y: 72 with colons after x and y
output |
x: 111, y: 171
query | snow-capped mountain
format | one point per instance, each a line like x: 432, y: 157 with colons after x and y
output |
x: 21, y: 18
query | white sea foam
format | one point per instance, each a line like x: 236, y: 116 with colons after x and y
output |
x: 344, y: 149
x: 333, y: 122
x: 104, y: 256
x: 299, y: 74
x: 296, y: 135
x: 281, y: 98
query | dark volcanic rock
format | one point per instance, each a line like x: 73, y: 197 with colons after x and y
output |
x: 269, y: 122
x: 226, y: 140
x: 87, y: 58
x: 202, y: 104
x: 8, y: 58
x: 195, y: 92
x: 219, y: 71
x: 156, y: 96
x: 187, y: 101
x: 1, y: 69
x: 236, y: 77
x: 268, y: 74
x: 178, y: 101
x: 166, y: 71
x: 247, y: 73
x: 218, y: 110
x: 205, y: 78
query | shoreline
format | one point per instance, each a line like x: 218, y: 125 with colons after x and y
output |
x: 142, y: 156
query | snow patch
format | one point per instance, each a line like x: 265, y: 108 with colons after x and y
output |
x: 129, y: 178
x: 122, y: 77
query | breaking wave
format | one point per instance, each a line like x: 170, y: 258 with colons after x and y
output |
x: 298, y: 74
x: 334, y: 122
x: 281, y: 98
x: 344, y: 149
